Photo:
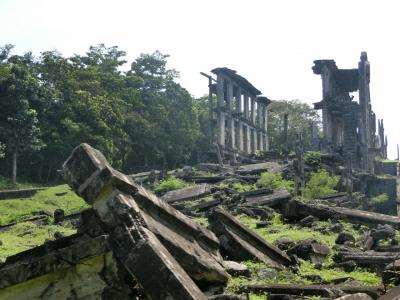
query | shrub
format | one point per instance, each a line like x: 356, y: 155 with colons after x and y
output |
x: 380, y: 199
x: 313, y: 158
x: 240, y: 187
x: 320, y: 184
x: 274, y: 181
x: 169, y: 184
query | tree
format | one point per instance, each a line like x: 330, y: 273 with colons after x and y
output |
x: 18, y: 120
x: 300, y: 116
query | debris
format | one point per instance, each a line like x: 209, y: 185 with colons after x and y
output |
x: 344, y: 237
x: 311, y: 290
x: 297, y: 210
x: 236, y: 269
x: 136, y: 220
x: 310, y: 249
x: 187, y: 193
x: 241, y: 243
x: 277, y: 198
x: 58, y: 215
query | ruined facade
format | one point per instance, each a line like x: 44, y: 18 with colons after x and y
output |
x: 349, y: 126
x: 241, y: 114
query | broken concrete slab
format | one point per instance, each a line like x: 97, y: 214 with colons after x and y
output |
x: 236, y: 269
x: 132, y: 216
x: 368, y: 258
x: 205, y: 205
x: 357, y: 296
x: 241, y: 243
x: 298, y: 210
x: 76, y: 267
x: 257, y: 192
x: 312, y: 290
x: 259, y: 168
x: 392, y: 294
x: 187, y: 193
x: 311, y: 250
x: 203, y: 179
x: 277, y: 198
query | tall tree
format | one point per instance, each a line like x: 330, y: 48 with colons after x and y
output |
x: 300, y: 116
x: 18, y: 120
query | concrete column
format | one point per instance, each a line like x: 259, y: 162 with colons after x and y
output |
x: 266, y: 145
x: 248, y: 139
x: 239, y: 125
x: 239, y: 136
x: 246, y: 106
x: 238, y: 98
x: 266, y: 141
x: 364, y: 100
x: 253, y: 110
x: 255, y: 146
x: 261, y: 141
x: 260, y: 115
x: 220, y: 109
x: 231, y: 121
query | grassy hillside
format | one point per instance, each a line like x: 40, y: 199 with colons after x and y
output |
x: 25, y: 235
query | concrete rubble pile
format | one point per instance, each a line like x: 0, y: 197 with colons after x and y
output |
x: 133, y: 244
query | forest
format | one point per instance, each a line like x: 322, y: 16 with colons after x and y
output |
x: 139, y: 116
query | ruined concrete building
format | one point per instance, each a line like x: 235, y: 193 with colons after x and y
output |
x: 241, y: 123
x: 349, y: 126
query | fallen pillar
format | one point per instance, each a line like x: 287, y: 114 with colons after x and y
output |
x: 277, y: 198
x: 311, y: 290
x: 259, y: 168
x: 242, y: 244
x: 137, y: 221
x: 368, y: 258
x: 188, y: 193
x: 298, y: 210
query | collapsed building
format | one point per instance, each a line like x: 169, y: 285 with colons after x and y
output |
x: 349, y: 126
x: 240, y: 126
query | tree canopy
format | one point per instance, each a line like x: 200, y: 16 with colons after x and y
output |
x: 138, y: 116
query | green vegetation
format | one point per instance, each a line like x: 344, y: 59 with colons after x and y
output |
x: 280, y: 229
x: 320, y: 184
x: 301, y: 115
x: 390, y: 161
x: 241, y: 188
x: 274, y: 181
x: 8, y: 184
x: 379, y: 199
x: 313, y: 158
x: 24, y: 236
x: 169, y: 184
x: 18, y: 209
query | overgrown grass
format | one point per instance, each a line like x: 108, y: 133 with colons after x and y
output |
x: 169, y: 184
x: 274, y: 181
x: 320, y: 184
x: 7, y: 184
x: 241, y: 188
x: 24, y: 236
x: 280, y: 229
x: 327, y: 273
x: 19, y: 209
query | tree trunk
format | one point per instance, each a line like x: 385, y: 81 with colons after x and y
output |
x: 14, y: 166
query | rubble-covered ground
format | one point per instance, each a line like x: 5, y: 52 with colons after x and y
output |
x: 325, y: 249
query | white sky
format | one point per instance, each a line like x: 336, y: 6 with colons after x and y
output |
x: 271, y: 43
